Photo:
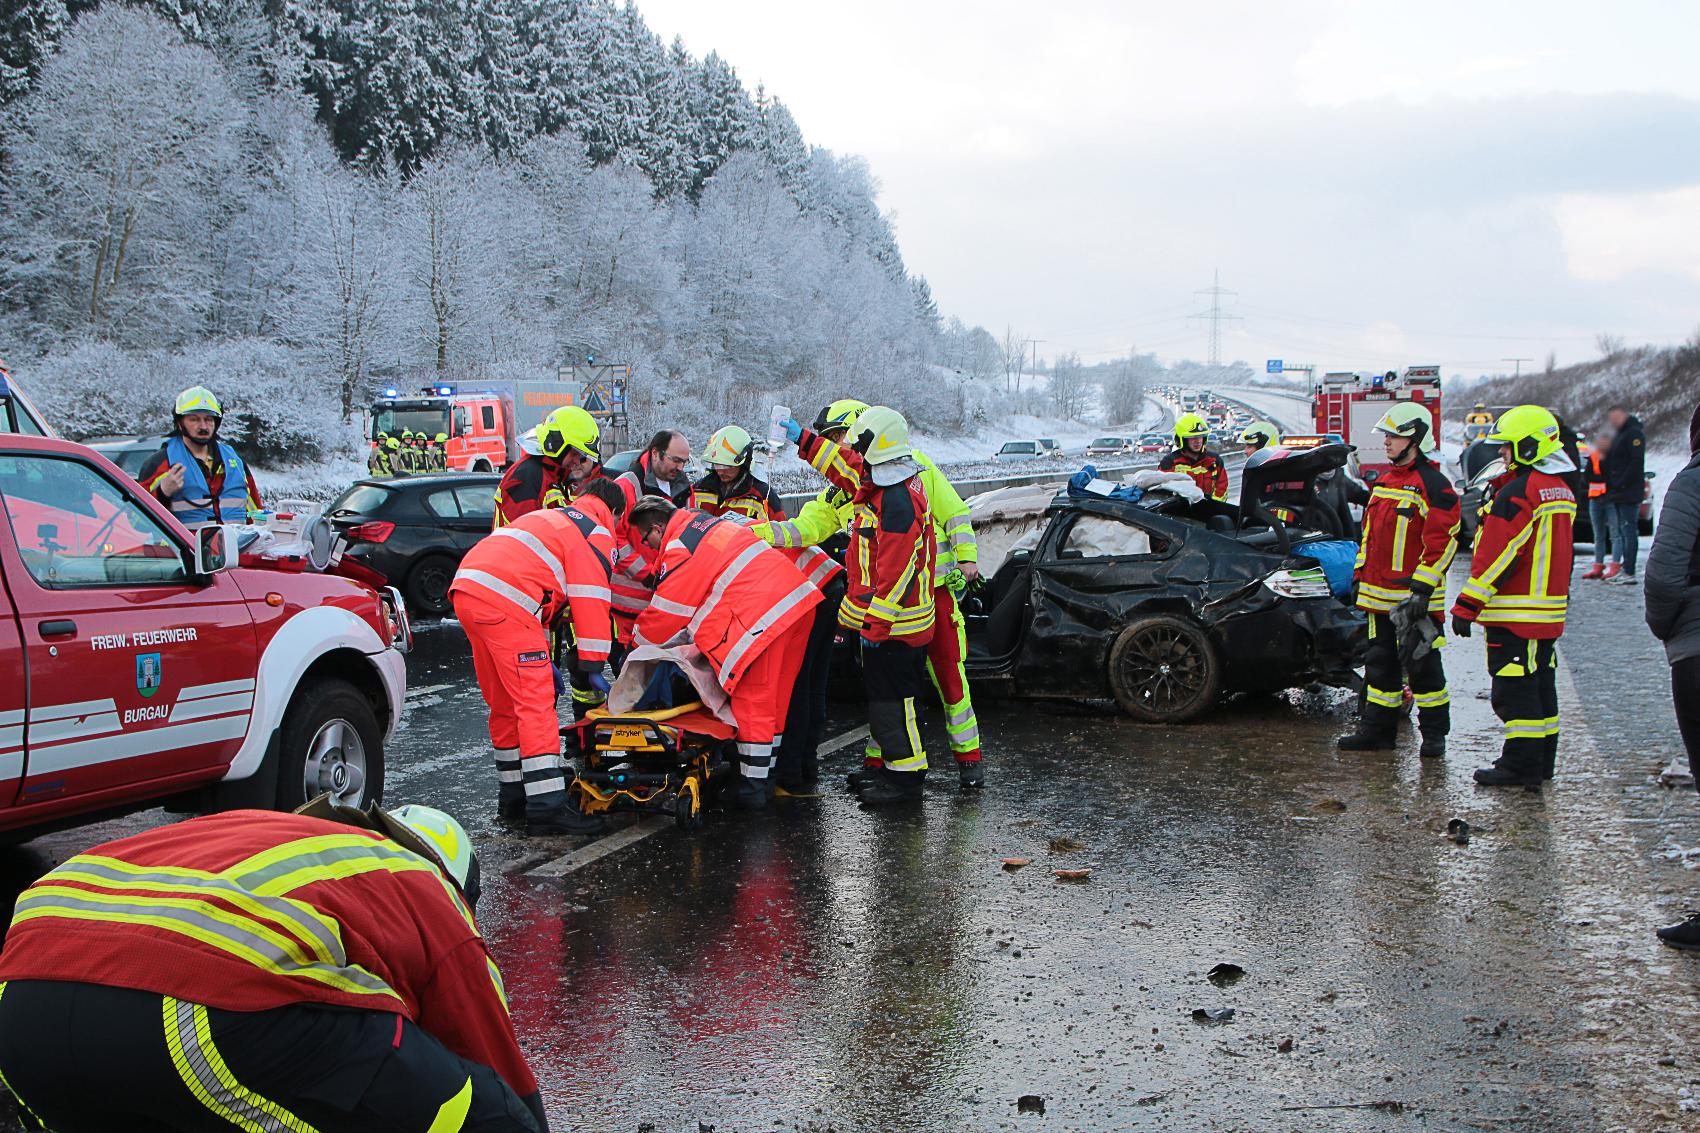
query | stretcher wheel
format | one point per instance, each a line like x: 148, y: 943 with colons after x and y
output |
x: 687, y: 804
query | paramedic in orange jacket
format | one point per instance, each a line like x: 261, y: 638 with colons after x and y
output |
x: 509, y: 592
x: 744, y: 607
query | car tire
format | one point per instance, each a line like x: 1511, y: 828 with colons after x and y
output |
x: 1163, y: 669
x: 330, y: 743
x: 428, y: 585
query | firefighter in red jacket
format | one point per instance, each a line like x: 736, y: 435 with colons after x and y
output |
x: 1190, y: 456
x: 1410, y: 535
x: 508, y: 594
x: 566, y: 443
x: 1519, y: 590
x: 744, y: 607
x: 889, y: 599
x: 263, y: 971
x: 730, y: 486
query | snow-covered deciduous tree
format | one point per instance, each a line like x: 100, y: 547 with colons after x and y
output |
x: 121, y: 170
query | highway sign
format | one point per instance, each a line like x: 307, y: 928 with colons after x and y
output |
x: 1273, y: 366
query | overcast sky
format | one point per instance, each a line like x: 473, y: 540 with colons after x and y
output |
x: 1381, y: 183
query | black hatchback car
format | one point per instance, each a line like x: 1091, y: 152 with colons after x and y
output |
x: 414, y: 530
x: 1167, y: 606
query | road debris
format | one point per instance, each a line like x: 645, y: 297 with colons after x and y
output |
x: 1212, y: 1016
x: 1457, y: 830
x: 1072, y: 874
x: 1387, y: 1105
x: 1030, y: 1103
x: 1225, y: 975
x: 1013, y: 864
x: 1066, y: 845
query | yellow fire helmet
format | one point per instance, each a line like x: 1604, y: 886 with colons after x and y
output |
x: 1190, y: 425
x: 1532, y: 433
x: 1260, y: 433
x: 882, y: 435
x: 569, y: 427
x: 448, y: 840
x: 841, y: 414
x: 197, y: 399
x: 729, y: 447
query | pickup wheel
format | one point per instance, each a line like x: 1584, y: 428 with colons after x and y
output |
x: 331, y: 745
x: 1163, y: 670
x: 428, y: 585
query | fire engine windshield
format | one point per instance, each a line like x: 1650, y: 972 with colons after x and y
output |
x: 399, y: 418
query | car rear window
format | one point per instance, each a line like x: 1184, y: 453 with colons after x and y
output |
x: 1018, y: 446
x: 1107, y: 442
x: 362, y: 499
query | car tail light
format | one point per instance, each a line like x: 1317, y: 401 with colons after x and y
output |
x: 375, y: 532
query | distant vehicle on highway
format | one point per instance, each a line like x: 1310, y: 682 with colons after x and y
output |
x: 1111, y: 446
x: 1029, y: 450
x: 1153, y: 442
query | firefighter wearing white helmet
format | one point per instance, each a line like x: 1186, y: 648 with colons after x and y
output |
x: 565, y: 451
x: 1410, y: 533
x: 196, y: 475
x: 889, y: 599
x: 730, y: 485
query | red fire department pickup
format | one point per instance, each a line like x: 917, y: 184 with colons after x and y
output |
x: 140, y: 666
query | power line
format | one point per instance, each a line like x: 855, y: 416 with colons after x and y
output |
x: 1519, y: 363
x: 1215, y: 315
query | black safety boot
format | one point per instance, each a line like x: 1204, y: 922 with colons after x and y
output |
x: 1501, y: 776
x: 1684, y: 934
x: 1434, y: 723
x: 861, y: 777
x: 888, y: 788
x: 1377, y: 727
x: 1366, y: 738
x: 972, y: 773
x: 752, y: 794
x: 564, y: 819
x: 510, y: 808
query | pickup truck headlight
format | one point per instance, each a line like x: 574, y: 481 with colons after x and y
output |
x: 1307, y: 582
x: 396, y: 626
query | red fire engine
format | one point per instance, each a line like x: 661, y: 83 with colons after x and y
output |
x: 1348, y: 404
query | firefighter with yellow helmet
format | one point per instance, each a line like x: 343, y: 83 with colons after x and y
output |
x: 565, y: 442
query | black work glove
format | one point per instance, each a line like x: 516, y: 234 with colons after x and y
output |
x: 1460, y: 626
x: 1422, y: 590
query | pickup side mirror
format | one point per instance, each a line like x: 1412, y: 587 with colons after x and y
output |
x: 215, y: 547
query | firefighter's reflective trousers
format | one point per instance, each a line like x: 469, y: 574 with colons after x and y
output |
x: 1525, y: 698
x: 83, y: 1058
x: 1385, y: 679
x: 945, y: 664
x: 510, y: 658
x: 761, y: 700
x: 892, y: 673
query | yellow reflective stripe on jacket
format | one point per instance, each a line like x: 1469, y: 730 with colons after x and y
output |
x: 952, y: 528
x: 188, y: 1036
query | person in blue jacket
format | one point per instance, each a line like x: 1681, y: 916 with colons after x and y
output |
x: 196, y: 475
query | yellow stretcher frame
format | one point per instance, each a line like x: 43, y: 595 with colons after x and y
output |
x: 659, y: 761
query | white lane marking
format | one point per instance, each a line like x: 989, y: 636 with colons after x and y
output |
x: 627, y: 835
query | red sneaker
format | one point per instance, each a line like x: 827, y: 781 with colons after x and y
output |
x: 1596, y: 571
x: 1612, y: 571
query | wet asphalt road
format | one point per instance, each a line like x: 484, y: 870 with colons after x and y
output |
x: 822, y: 967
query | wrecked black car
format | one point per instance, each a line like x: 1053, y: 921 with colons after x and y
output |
x: 1166, y: 603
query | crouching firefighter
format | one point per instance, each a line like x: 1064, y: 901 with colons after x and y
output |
x: 262, y: 971
x: 1410, y: 533
x: 889, y: 598
x: 511, y: 590
x: 1519, y: 590
x: 744, y: 607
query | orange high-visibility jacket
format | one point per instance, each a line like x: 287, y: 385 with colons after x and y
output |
x: 549, y: 561
x: 723, y: 590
